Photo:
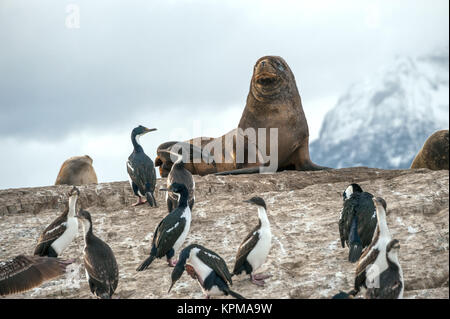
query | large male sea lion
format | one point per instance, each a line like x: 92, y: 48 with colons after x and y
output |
x: 434, y: 153
x: 77, y: 170
x: 274, y: 105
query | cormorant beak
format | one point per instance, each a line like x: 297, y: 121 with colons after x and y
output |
x: 149, y: 130
x: 247, y: 201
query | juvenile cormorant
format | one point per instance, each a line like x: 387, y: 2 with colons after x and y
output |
x: 102, y: 271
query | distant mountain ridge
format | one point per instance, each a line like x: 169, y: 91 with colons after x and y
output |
x: 384, y: 120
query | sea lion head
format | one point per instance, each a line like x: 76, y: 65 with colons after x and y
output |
x: 271, y: 78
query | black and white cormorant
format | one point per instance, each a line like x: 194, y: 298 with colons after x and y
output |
x: 102, y: 271
x: 23, y: 273
x: 389, y: 284
x: 208, y: 268
x: 255, y: 247
x: 172, y: 230
x: 61, y: 232
x: 141, y: 169
x: 179, y: 174
x: 373, y: 259
x: 357, y: 222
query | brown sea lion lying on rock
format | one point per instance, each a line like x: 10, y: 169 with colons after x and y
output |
x: 272, y: 134
x: 434, y: 153
x: 77, y: 170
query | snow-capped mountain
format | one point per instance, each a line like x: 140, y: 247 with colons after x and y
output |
x: 384, y: 120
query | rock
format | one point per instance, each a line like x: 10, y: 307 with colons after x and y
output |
x: 306, y: 259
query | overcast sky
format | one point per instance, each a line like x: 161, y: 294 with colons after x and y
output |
x: 183, y: 67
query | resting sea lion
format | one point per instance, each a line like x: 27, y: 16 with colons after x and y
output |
x: 77, y: 170
x: 434, y: 153
x: 273, y: 102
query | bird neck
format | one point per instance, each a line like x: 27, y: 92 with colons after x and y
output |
x: 263, y: 217
x: 72, y: 205
x: 87, y: 229
x: 382, y: 224
x: 183, y: 199
x: 392, y: 259
x: 135, y: 140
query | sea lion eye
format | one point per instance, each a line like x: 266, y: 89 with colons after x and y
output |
x: 280, y: 67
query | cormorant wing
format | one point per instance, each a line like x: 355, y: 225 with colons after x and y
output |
x: 168, y: 232
x: 141, y: 171
x: 367, y: 218
x: 390, y: 291
x: 26, y: 272
x: 347, y: 215
x: 246, y: 247
x: 367, y: 258
x: 216, y: 263
x: 50, y: 234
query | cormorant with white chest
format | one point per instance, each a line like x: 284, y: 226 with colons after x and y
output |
x: 141, y: 169
x: 179, y: 174
x: 61, y: 232
x: 390, y: 283
x: 208, y: 268
x: 172, y: 230
x: 255, y: 247
x: 23, y: 273
x: 102, y: 271
x: 357, y: 222
x: 373, y: 259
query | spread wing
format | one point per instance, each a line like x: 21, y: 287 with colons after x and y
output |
x: 216, y: 263
x: 246, y: 247
x: 50, y: 234
x: 26, y: 272
x: 167, y: 233
x: 142, y: 172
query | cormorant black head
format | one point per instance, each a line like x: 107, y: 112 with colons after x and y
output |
x: 176, y: 188
x: 394, y: 244
x: 74, y: 191
x: 140, y: 130
x: 352, y: 188
x: 378, y: 201
x: 178, y: 270
x: 84, y: 215
x: 256, y: 201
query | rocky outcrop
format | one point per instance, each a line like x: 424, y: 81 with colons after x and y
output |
x: 306, y: 259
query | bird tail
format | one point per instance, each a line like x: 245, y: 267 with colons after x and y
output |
x: 355, y: 252
x: 230, y: 292
x: 151, y: 199
x: 146, y: 263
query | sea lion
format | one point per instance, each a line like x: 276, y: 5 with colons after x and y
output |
x: 77, y: 170
x: 273, y: 104
x: 434, y: 153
